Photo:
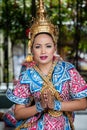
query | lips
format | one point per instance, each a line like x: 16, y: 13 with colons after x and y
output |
x: 43, y: 57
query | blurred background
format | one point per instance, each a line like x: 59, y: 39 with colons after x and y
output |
x: 16, y: 18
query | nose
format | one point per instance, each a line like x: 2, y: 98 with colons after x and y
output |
x: 43, y: 50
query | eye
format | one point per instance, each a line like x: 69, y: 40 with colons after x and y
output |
x: 37, y: 46
x: 49, y: 46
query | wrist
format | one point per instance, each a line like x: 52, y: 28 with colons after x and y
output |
x: 39, y: 108
x: 57, y: 105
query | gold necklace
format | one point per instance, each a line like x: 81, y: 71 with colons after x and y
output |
x: 50, y: 71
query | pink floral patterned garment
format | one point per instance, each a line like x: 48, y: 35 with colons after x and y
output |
x: 66, y: 80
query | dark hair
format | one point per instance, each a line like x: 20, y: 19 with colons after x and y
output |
x: 43, y: 33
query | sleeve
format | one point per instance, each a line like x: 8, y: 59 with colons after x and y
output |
x: 78, y: 86
x: 20, y: 94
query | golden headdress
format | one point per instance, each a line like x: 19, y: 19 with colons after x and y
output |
x: 41, y: 25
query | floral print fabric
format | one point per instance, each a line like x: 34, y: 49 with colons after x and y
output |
x: 70, y: 85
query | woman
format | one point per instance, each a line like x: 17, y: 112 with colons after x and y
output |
x: 50, y: 90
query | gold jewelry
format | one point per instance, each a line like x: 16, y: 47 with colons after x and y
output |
x: 42, y: 24
x: 29, y: 58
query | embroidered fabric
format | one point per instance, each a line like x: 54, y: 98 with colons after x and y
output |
x: 39, y: 107
x: 66, y: 85
x: 57, y: 105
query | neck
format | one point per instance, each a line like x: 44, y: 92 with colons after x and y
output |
x: 45, y: 68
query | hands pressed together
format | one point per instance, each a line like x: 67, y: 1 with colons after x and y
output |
x: 48, y: 101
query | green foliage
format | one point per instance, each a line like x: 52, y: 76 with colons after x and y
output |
x: 62, y: 13
x: 14, y: 19
x: 69, y: 15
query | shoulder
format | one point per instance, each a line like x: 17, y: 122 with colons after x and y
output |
x: 62, y: 63
x: 29, y: 76
x: 65, y: 64
x: 26, y: 65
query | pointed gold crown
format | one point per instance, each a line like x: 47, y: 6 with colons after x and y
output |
x: 42, y: 24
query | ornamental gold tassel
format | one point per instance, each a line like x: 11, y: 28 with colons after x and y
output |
x: 29, y: 58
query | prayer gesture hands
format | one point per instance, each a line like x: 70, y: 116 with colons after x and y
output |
x: 47, y: 99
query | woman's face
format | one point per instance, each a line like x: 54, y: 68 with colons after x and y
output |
x: 43, y: 49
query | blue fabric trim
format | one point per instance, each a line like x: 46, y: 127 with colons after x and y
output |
x: 34, y: 80
x: 39, y: 107
x: 57, y: 105
x: 40, y: 123
x: 16, y: 99
x: 79, y: 95
x: 67, y: 124
x: 19, y: 123
x: 60, y: 75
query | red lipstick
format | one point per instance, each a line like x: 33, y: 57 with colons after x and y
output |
x: 43, y: 57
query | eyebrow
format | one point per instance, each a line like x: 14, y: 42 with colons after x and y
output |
x: 45, y: 43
